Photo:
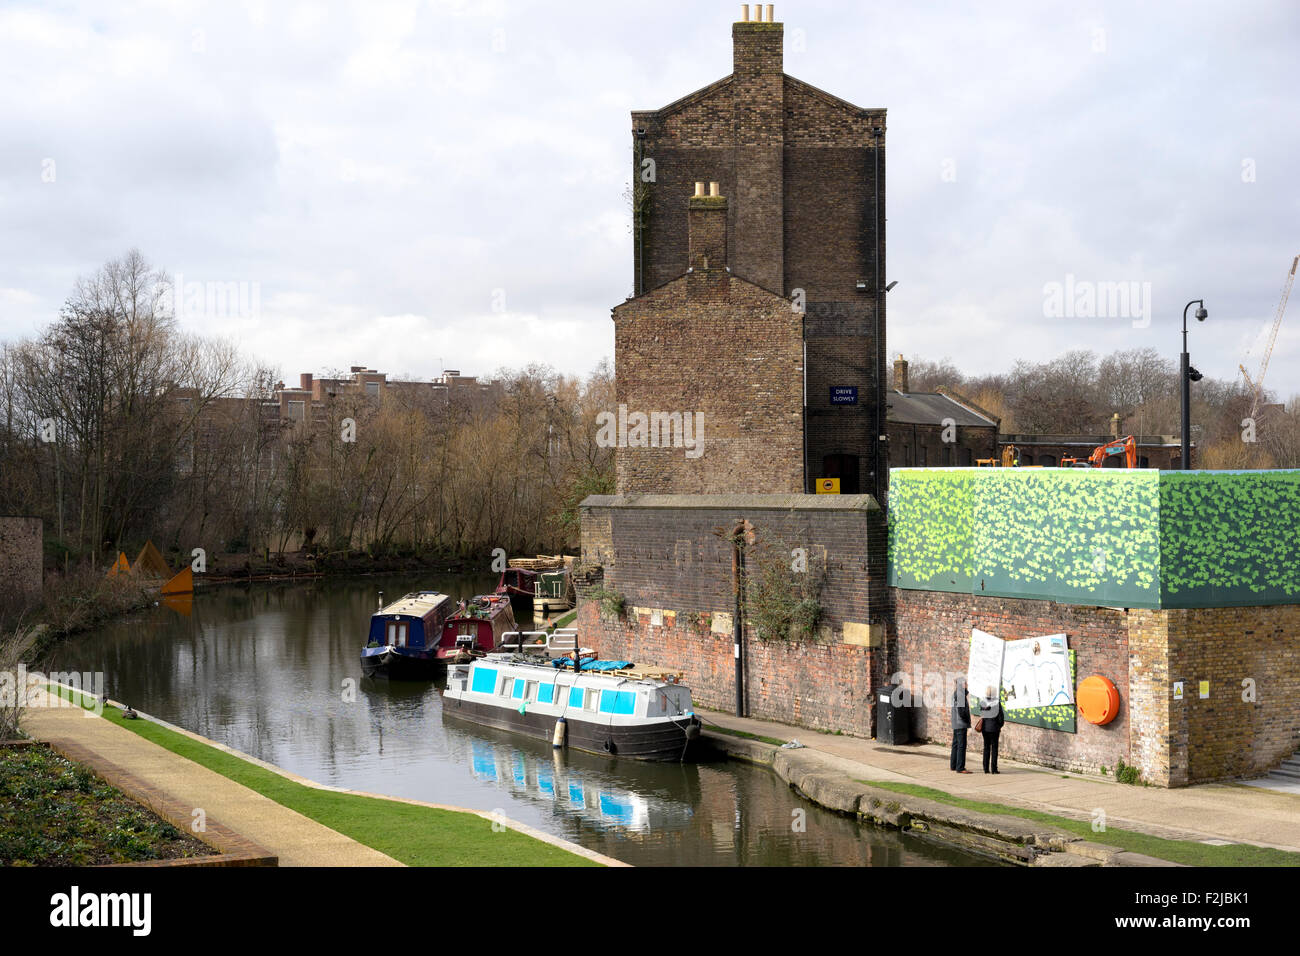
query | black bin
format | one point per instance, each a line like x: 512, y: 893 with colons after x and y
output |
x: 893, y: 722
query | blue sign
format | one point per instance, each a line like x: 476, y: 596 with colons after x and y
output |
x: 844, y: 395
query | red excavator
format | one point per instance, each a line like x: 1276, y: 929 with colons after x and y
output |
x: 1125, y: 446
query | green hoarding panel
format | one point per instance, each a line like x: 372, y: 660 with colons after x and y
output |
x: 1117, y: 537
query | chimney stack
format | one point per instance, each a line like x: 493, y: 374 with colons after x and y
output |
x: 304, y: 381
x: 900, y: 374
x: 757, y: 44
x: 706, y: 223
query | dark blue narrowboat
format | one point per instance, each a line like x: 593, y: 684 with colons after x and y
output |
x: 404, y: 636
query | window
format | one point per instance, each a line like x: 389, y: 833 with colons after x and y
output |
x: 372, y: 389
x: 397, y: 633
x: 296, y: 411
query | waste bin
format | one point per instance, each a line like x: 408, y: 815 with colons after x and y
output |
x: 893, y: 720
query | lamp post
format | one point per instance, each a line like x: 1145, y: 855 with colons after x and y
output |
x: 1187, y: 375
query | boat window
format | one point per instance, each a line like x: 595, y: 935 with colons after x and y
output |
x: 397, y: 633
x: 530, y: 690
x: 593, y: 700
x: 507, y: 682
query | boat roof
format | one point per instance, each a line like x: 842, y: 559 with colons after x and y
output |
x: 622, y: 675
x: 416, y: 604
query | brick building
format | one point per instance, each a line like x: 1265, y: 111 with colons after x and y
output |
x: 803, y: 175
x: 713, y: 363
x: 936, y: 429
x: 314, y: 391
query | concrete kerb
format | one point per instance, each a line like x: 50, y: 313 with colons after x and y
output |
x: 1007, y: 838
x: 492, y: 818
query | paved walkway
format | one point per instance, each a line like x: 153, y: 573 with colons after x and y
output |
x: 1230, y: 812
x: 297, y: 840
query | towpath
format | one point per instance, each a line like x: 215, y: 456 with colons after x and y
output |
x: 1229, y: 812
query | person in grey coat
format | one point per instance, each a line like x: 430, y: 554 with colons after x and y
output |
x: 960, y: 717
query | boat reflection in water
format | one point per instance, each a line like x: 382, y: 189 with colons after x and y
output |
x: 575, y: 784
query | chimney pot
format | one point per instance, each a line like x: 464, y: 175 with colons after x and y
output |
x: 771, y: 13
x: 744, y: 13
x: 713, y: 189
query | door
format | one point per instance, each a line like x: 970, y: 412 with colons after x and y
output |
x: 845, y: 468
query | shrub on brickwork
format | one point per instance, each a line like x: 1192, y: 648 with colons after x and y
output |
x: 783, y: 588
x: 611, y: 602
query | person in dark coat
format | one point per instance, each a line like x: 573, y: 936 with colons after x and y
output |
x: 960, y: 718
x: 992, y: 718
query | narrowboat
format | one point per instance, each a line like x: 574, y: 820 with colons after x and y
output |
x: 601, y: 708
x: 476, y: 627
x: 553, y: 592
x: 404, y: 636
x: 520, y: 585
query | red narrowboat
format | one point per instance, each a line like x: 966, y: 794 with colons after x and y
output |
x: 475, y: 627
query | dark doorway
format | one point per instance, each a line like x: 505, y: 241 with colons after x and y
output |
x: 845, y: 468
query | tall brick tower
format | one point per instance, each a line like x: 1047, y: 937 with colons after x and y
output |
x: 804, y: 175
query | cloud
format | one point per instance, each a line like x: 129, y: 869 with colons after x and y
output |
x: 382, y: 169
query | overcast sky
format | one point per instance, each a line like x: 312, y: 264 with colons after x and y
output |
x: 419, y: 185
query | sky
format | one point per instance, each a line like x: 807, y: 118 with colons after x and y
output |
x: 417, y: 186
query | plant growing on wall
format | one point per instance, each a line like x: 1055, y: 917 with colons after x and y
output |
x: 783, y: 588
x: 611, y: 602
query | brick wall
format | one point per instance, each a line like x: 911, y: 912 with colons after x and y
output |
x: 675, y: 575
x: 1226, y: 734
x: 922, y: 446
x: 731, y: 354
x: 805, y: 173
x: 932, y: 634
x: 21, y: 556
x: 1143, y: 652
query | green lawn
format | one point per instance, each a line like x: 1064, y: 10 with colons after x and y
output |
x: 417, y: 836
x: 1188, y: 852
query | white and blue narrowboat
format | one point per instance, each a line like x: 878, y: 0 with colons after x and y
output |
x: 404, y: 637
x: 601, y: 709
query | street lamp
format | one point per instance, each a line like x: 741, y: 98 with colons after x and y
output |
x: 1187, y: 375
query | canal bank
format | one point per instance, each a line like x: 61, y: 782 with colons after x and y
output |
x: 296, y: 820
x: 1024, y: 815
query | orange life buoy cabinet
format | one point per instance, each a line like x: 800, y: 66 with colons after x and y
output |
x: 1098, y: 700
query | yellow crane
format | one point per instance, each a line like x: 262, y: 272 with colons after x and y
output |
x: 1258, y: 383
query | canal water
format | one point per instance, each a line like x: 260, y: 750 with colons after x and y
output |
x: 266, y: 670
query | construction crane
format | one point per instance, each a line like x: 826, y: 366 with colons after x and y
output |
x: 1258, y: 384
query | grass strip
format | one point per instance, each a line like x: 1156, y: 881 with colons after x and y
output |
x: 414, y: 835
x: 746, y: 734
x: 564, y: 621
x: 1187, y: 852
